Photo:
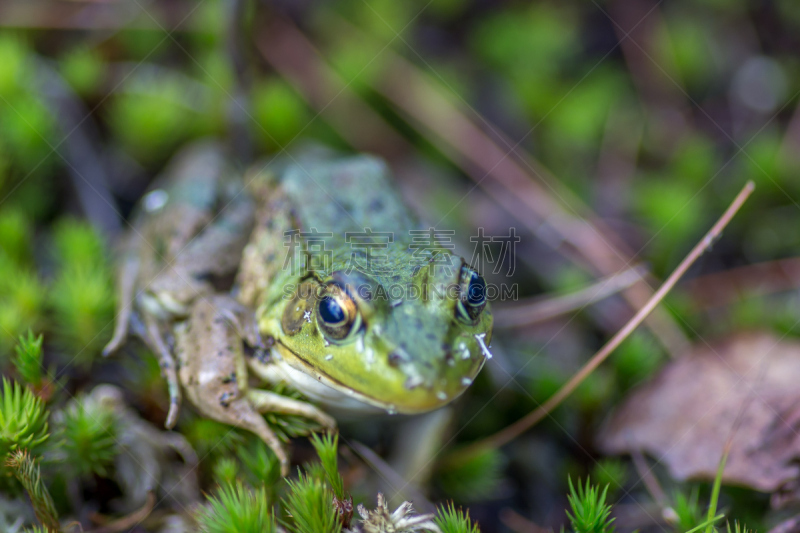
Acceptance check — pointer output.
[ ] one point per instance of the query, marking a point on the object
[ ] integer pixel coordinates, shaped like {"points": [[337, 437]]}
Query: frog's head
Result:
{"points": [[405, 343]]}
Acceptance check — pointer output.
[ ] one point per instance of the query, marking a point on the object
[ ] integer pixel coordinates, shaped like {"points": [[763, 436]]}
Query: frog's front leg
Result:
{"points": [[213, 371], [155, 339], [269, 402]]}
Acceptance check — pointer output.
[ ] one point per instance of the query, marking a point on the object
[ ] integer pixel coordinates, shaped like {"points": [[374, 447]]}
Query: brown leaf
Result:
{"points": [[685, 415]]}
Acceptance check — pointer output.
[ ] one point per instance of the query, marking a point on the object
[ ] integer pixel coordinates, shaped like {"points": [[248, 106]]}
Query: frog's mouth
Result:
{"points": [[318, 385]]}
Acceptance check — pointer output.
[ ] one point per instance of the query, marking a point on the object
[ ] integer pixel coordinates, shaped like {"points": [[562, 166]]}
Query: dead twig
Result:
{"points": [[724, 288], [536, 310], [126, 522], [511, 432]]}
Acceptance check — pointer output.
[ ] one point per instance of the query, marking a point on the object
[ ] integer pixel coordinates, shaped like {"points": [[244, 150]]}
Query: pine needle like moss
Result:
{"points": [[23, 419], [236, 509], [225, 470], [589, 511], [88, 437], [22, 298], [16, 236], [327, 447], [310, 506], [28, 360], [83, 305], [452, 520], [260, 464], [78, 245], [686, 511], [26, 471], [209, 437], [82, 295]]}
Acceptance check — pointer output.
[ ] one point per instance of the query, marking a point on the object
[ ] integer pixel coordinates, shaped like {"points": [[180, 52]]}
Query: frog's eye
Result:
{"points": [[472, 295], [337, 313]]}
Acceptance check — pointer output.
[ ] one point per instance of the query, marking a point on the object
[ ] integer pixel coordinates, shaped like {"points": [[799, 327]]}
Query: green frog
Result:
{"points": [[308, 271]]}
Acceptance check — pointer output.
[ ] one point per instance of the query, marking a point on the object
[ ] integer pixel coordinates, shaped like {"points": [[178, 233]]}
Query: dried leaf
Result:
{"points": [[685, 415]]}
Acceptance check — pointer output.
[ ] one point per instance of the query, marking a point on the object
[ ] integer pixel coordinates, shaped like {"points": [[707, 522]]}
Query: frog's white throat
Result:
{"points": [[321, 388]]}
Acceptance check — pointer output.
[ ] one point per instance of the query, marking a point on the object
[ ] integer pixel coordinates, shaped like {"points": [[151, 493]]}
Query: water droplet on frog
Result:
{"points": [[155, 200], [466, 382], [391, 410], [441, 395], [325, 342], [329, 357], [360, 344]]}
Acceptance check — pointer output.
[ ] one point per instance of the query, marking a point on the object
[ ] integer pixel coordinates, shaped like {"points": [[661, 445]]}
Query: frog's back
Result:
{"points": [[338, 198], [346, 194]]}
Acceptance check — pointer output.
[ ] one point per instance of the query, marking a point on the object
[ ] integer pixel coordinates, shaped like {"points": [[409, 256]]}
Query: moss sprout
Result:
{"points": [[237, 509], [87, 437], [309, 506], [26, 470], [28, 360], [589, 512], [23, 419], [452, 520]]}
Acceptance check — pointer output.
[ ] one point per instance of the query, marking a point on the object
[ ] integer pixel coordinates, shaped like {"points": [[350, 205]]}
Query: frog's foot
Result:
{"points": [[213, 371], [241, 413], [155, 340], [126, 287], [270, 402]]}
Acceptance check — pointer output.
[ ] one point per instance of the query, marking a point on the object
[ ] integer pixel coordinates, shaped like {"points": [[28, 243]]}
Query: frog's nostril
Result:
{"points": [[397, 357]]}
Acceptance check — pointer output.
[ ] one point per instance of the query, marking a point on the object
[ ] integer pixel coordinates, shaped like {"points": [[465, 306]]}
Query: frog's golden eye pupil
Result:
{"points": [[337, 313], [330, 310]]}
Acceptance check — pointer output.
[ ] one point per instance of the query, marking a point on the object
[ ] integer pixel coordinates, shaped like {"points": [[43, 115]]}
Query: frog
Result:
{"points": [[307, 272]]}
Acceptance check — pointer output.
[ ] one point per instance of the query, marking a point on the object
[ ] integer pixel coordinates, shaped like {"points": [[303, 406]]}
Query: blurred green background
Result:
{"points": [[648, 117]]}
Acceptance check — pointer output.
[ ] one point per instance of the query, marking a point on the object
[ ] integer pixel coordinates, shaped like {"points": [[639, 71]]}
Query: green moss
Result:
{"points": [[28, 360], [452, 520], [309, 506], [280, 114], [589, 512], [475, 478], [23, 419], [82, 294], [83, 312], [237, 509], [16, 236], [155, 113], [22, 299], [84, 69], [87, 437]]}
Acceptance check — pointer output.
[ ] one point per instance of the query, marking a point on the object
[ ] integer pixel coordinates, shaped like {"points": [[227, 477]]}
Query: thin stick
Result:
{"points": [[517, 428], [650, 481], [536, 310]]}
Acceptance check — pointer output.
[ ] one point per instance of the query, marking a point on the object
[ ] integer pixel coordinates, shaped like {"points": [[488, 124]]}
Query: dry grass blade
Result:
{"points": [[536, 310], [514, 430]]}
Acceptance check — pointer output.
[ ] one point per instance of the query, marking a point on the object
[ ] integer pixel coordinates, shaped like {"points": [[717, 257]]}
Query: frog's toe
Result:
{"points": [[172, 414], [246, 417], [270, 402]]}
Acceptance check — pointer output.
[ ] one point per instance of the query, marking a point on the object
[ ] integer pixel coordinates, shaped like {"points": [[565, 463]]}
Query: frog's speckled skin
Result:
{"points": [[406, 354]]}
